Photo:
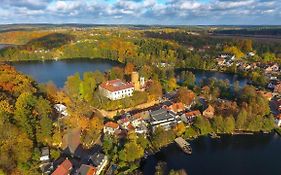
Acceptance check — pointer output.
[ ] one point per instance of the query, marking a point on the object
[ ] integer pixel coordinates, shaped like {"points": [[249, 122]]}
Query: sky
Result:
{"points": [[148, 12]]}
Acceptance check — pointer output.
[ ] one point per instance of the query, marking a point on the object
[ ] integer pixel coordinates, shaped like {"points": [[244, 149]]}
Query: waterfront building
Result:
{"points": [[116, 89], [163, 118], [209, 112], [190, 116]]}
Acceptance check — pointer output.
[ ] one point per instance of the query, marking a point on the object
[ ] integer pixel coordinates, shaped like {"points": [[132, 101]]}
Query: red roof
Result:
{"points": [[63, 168], [176, 107], [116, 85], [112, 125], [193, 113]]}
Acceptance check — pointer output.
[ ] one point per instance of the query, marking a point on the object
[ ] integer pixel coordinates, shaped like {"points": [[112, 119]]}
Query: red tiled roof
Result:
{"points": [[63, 168], [116, 85], [112, 125], [130, 127], [193, 113]]}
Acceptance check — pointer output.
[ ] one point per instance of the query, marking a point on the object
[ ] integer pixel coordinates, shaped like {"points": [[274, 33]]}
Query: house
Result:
{"points": [[163, 118], [71, 141], [136, 123], [46, 168], [176, 107], [251, 54], [277, 88], [272, 68], [278, 120], [273, 83], [61, 109], [265, 94], [189, 117], [110, 128], [86, 170], [116, 89], [64, 168], [45, 154], [209, 112], [99, 160]]}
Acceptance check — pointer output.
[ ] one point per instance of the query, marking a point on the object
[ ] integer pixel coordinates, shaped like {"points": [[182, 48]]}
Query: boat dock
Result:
{"points": [[184, 145]]}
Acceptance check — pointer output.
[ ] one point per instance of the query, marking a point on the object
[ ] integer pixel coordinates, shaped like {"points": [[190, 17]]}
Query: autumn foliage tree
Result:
{"points": [[186, 96]]}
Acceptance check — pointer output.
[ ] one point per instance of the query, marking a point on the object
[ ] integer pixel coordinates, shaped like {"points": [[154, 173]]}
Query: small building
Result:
{"points": [[116, 89], [110, 128], [71, 141], [209, 112], [251, 54], [277, 88], [86, 170], [45, 154], [99, 160], [190, 116], [278, 120], [64, 168], [176, 107], [46, 168], [163, 118], [61, 109]]}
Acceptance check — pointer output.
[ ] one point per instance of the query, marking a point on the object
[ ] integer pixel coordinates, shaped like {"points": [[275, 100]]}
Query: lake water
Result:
{"points": [[202, 74], [58, 71], [231, 155]]}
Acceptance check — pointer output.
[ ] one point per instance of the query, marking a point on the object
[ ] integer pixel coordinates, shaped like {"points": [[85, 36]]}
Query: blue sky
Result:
{"points": [[165, 12]]}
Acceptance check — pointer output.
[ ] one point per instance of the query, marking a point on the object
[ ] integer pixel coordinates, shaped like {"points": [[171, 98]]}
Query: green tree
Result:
{"points": [[218, 124], [88, 86], [72, 85], [189, 79], [23, 113], [203, 125], [241, 120], [44, 127], [229, 124], [131, 152]]}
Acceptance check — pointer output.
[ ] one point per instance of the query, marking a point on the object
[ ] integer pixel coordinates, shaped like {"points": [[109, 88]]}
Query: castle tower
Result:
{"points": [[135, 80]]}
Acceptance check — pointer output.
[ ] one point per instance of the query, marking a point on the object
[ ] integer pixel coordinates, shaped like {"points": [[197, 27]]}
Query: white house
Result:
{"points": [[278, 120], [61, 109], [45, 154], [116, 89], [110, 128]]}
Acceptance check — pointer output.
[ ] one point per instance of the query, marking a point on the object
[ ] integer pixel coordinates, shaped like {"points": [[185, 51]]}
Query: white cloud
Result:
{"points": [[142, 11]]}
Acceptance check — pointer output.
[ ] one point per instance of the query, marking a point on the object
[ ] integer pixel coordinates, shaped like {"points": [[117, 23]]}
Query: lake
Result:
{"points": [[203, 74], [258, 154], [58, 71]]}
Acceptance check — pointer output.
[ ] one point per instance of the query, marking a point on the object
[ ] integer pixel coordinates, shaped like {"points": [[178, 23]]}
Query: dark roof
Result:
{"points": [[86, 170], [96, 159], [45, 151], [161, 114]]}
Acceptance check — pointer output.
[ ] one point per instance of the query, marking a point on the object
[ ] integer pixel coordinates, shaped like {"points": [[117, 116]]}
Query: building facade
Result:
{"points": [[116, 89]]}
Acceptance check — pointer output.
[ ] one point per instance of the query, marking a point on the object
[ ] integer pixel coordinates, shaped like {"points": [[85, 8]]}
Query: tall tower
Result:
{"points": [[135, 80]]}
